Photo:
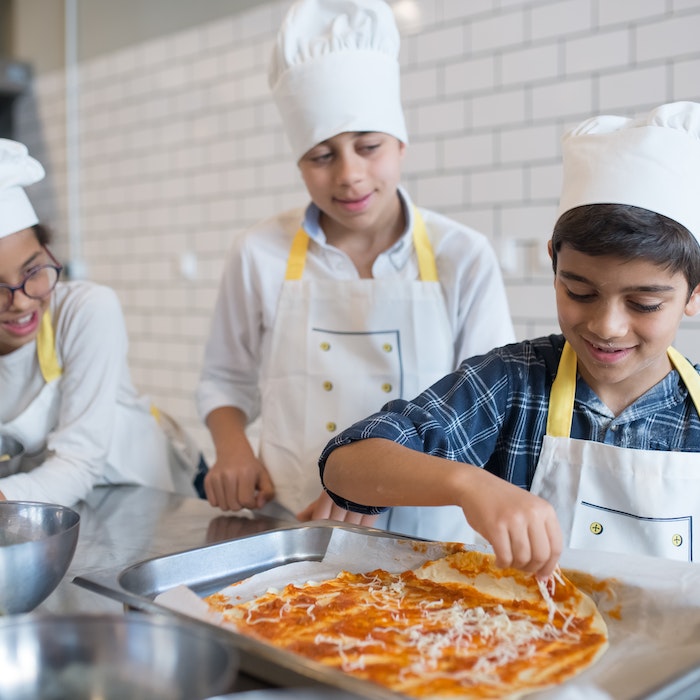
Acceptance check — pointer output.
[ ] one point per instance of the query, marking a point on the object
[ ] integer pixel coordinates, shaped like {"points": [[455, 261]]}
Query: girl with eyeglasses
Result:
{"points": [[66, 392]]}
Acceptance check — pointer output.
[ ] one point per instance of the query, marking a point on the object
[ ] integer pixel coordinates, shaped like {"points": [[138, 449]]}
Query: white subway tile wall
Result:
{"points": [[181, 147]]}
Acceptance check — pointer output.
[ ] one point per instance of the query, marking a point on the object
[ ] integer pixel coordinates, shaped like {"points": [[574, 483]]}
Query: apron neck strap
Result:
{"points": [[424, 251], [46, 350], [297, 256], [689, 375], [561, 396]]}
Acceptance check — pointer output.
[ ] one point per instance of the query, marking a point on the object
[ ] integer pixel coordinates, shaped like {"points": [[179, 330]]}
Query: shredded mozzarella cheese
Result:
{"points": [[431, 631]]}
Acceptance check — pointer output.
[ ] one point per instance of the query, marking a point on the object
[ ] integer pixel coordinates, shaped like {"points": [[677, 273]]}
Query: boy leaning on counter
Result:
{"points": [[585, 439], [326, 312]]}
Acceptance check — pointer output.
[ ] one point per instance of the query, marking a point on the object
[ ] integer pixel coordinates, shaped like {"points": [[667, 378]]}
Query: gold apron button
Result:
{"points": [[596, 528], [325, 346], [327, 385], [677, 540], [387, 347], [331, 426], [386, 388]]}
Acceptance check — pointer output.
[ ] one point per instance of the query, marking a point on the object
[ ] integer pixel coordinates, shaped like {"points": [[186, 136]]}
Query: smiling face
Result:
{"points": [[352, 178], [620, 316], [20, 253]]}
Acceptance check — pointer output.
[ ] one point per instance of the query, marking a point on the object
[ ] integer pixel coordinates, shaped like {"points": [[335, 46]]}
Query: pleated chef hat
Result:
{"points": [[651, 162], [17, 170], [334, 69]]}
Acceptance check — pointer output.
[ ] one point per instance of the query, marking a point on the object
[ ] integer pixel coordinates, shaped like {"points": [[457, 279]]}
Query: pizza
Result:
{"points": [[457, 626]]}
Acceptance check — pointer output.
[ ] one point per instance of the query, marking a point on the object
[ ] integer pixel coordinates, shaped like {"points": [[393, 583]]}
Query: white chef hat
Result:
{"points": [[334, 69], [652, 162], [17, 170]]}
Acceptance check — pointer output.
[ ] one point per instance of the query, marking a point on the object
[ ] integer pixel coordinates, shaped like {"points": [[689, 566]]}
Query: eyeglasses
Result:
{"points": [[39, 283]]}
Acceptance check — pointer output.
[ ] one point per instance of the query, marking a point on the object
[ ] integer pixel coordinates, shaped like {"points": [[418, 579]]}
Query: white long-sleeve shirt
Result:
{"points": [[254, 272], [96, 429]]}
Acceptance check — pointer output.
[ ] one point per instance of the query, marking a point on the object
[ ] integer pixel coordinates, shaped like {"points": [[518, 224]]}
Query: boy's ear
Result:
{"points": [[693, 305]]}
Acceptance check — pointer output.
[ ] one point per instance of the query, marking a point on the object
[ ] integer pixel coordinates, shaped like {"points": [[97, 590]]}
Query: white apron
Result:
{"points": [[340, 349], [169, 464], [618, 499]]}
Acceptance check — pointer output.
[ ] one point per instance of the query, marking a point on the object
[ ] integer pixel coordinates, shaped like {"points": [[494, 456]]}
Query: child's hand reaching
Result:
{"points": [[522, 528]]}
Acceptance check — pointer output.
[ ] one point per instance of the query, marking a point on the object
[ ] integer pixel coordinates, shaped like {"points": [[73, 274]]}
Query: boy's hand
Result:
{"points": [[325, 508], [522, 528], [235, 484]]}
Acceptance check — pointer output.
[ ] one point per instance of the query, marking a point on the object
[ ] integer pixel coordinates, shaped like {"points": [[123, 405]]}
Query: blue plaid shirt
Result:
{"points": [[492, 412]]}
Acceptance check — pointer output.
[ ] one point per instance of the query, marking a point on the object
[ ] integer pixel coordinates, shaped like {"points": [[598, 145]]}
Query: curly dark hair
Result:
{"points": [[629, 232]]}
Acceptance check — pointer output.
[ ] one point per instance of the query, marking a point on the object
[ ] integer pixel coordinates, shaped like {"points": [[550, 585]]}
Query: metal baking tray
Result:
{"points": [[211, 568]]}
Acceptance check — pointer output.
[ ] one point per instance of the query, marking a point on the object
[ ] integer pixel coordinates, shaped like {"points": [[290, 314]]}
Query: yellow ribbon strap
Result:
{"points": [[297, 256], [561, 397], [424, 251], [46, 350], [689, 375]]}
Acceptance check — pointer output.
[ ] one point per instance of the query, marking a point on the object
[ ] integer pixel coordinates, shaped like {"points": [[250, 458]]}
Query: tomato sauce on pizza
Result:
{"points": [[455, 627]]}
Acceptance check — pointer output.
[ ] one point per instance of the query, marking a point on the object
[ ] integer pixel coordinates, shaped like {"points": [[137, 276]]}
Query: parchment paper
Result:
{"points": [[651, 607]]}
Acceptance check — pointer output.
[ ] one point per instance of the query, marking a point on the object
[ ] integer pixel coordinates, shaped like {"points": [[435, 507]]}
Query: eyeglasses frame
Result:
{"points": [[56, 266]]}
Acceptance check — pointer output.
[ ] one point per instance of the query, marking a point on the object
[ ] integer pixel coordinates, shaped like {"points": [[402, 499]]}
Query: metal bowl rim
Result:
{"points": [[165, 621], [72, 514], [38, 622], [129, 617], [43, 505]]}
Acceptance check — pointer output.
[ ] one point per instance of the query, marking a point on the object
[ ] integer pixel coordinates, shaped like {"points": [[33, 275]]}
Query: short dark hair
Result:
{"points": [[42, 233], [629, 232]]}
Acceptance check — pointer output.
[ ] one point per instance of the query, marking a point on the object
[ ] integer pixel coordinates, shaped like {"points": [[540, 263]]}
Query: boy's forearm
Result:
{"points": [[227, 427], [521, 527], [379, 472]]}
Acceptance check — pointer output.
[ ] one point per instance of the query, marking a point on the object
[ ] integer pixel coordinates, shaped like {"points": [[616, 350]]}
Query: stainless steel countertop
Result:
{"points": [[123, 525]]}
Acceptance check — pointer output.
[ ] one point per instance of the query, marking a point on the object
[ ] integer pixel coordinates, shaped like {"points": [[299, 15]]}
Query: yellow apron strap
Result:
{"points": [[46, 350], [689, 375], [424, 251], [297, 256], [561, 397]]}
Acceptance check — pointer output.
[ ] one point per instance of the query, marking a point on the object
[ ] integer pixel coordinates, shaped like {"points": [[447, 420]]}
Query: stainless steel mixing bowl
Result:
{"points": [[11, 453], [135, 656], [37, 544]]}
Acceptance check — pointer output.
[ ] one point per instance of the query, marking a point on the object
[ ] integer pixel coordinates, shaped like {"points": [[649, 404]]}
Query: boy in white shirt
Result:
{"points": [[325, 313]]}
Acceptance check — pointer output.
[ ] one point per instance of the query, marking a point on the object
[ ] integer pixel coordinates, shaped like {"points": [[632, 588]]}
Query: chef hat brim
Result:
{"points": [[360, 92], [652, 163], [16, 211], [335, 69], [17, 170]]}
